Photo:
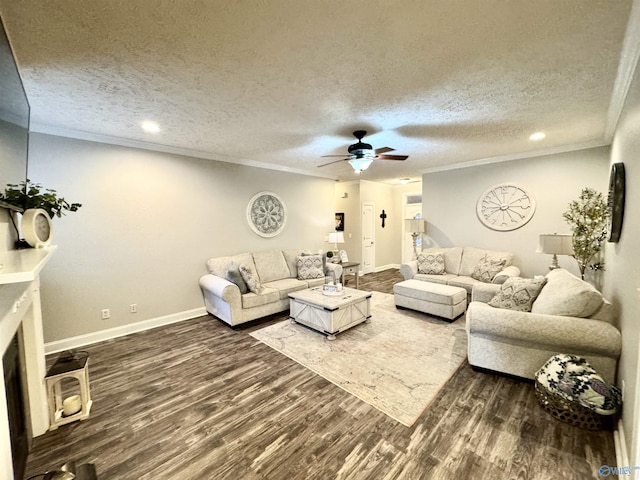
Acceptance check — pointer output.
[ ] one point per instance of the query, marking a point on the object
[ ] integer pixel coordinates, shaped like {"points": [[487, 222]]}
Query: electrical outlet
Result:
{"points": [[106, 314], [133, 308]]}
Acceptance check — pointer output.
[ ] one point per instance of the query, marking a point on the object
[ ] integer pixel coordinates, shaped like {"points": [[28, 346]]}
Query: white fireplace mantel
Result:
{"points": [[20, 309]]}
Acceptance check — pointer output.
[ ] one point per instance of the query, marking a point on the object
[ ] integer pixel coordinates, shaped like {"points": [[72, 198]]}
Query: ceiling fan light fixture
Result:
{"points": [[360, 164]]}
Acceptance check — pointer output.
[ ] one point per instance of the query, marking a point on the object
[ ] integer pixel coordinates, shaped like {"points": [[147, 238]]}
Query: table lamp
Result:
{"points": [[555, 244], [415, 226]]}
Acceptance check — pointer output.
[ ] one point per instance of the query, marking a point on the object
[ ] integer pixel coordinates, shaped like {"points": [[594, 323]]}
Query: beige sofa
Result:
{"points": [[276, 274], [568, 316], [460, 264]]}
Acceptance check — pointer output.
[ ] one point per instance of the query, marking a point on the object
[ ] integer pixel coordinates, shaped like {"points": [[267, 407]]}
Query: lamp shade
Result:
{"points": [[558, 244], [414, 225], [336, 237]]}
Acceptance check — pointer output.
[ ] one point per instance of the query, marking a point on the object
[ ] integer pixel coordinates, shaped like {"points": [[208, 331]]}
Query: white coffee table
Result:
{"points": [[329, 314]]}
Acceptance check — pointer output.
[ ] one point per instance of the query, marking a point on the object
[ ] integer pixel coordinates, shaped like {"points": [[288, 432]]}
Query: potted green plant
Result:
{"points": [[588, 219], [28, 195]]}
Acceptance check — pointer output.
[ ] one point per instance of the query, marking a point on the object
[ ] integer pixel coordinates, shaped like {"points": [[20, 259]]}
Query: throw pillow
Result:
{"points": [[431, 263], [310, 266], [567, 295], [518, 293], [487, 268], [251, 279], [324, 261], [234, 276]]}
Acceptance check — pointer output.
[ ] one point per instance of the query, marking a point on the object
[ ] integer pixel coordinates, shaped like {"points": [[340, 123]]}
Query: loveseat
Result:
{"points": [[516, 327], [460, 266], [248, 286]]}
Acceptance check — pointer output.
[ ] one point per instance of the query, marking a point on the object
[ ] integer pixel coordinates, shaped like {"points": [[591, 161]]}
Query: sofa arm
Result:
{"points": [[510, 271], [409, 269], [559, 332], [483, 292], [212, 285]]}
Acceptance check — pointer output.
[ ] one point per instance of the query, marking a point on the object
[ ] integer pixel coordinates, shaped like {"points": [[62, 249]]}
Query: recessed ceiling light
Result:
{"points": [[150, 127], [537, 136], [404, 181]]}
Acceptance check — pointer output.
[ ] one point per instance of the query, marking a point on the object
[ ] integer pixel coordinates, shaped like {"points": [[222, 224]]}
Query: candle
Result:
{"points": [[71, 405]]}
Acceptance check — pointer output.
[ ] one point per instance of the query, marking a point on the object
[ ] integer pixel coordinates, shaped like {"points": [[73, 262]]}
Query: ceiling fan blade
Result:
{"points": [[384, 150], [392, 157], [331, 163], [327, 156]]}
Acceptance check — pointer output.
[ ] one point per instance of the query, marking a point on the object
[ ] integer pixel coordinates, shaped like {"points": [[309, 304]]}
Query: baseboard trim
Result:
{"points": [[620, 444], [108, 334], [386, 267]]}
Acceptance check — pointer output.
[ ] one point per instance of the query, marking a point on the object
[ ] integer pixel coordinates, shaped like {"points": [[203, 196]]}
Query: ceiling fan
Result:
{"points": [[362, 154]]}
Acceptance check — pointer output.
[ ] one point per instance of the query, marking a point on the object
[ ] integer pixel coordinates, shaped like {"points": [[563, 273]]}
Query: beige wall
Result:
{"points": [[449, 203], [622, 259], [148, 224]]}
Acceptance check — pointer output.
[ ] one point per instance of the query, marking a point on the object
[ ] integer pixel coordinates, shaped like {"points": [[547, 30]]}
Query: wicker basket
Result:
{"points": [[571, 412]]}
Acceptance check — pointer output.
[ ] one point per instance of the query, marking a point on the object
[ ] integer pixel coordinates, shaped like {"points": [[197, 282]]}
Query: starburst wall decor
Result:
{"points": [[266, 214]]}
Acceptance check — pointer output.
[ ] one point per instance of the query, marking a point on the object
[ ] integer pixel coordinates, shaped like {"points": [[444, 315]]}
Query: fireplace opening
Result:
{"points": [[16, 408]]}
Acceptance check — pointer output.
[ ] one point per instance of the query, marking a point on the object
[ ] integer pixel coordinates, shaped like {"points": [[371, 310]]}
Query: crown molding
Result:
{"points": [[518, 156], [157, 147], [626, 69]]}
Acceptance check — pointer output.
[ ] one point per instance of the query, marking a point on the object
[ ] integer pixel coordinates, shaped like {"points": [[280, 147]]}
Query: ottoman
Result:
{"points": [[432, 298]]}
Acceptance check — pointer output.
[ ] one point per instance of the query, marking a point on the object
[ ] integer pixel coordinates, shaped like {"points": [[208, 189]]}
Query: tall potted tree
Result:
{"points": [[588, 219]]}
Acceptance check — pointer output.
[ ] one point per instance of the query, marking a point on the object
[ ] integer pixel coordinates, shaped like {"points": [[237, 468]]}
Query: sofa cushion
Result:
{"points": [[452, 257], [271, 265], [291, 257], [285, 286], [471, 256], [518, 293], [234, 276], [219, 266], [567, 295], [431, 263], [251, 279], [310, 266], [266, 296], [463, 282], [487, 268]]}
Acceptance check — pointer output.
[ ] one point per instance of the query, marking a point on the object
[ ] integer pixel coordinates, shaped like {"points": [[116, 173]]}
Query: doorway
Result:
{"points": [[368, 238]]}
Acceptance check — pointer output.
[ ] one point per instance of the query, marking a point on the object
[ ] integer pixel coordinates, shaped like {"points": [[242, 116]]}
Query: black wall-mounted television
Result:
{"points": [[14, 118]]}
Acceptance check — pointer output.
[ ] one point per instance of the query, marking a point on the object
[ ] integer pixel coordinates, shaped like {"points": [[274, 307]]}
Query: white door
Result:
{"points": [[411, 210], [368, 238]]}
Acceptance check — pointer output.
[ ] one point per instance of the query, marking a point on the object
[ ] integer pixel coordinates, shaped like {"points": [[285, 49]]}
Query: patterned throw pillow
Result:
{"points": [[431, 263], [234, 276], [487, 268], [518, 293], [310, 266], [251, 279]]}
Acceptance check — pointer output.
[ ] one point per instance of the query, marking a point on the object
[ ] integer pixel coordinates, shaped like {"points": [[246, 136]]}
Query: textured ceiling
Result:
{"points": [[284, 82]]}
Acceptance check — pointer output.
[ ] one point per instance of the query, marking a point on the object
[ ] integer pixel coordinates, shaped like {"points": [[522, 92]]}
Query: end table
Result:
{"points": [[350, 268]]}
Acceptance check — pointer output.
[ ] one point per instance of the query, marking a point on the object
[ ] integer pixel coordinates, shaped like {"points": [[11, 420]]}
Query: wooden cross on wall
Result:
{"points": [[383, 216]]}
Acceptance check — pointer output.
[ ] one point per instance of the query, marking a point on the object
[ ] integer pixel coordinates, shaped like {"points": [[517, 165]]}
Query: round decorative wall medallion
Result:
{"points": [[266, 214], [615, 203], [505, 207]]}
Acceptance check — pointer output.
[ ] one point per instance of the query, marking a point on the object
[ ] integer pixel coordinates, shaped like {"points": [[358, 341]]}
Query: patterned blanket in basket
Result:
{"points": [[575, 380]]}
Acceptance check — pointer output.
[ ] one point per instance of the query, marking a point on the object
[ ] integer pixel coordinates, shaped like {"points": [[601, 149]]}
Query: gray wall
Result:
{"points": [[449, 203], [148, 224], [622, 275]]}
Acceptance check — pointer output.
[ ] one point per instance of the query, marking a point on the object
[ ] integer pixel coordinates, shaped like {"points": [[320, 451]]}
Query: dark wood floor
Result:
{"points": [[198, 400]]}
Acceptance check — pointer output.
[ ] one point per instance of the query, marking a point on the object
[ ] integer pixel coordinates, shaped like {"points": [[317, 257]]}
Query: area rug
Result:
{"points": [[397, 362]]}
